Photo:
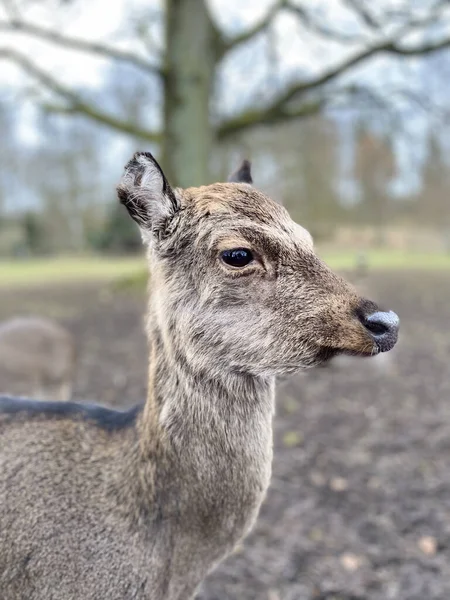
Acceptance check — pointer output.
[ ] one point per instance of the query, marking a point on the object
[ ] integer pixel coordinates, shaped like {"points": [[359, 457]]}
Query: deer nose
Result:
{"points": [[383, 327]]}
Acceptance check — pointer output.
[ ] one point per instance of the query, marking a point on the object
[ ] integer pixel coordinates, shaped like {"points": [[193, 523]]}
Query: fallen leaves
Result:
{"points": [[291, 439], [338, 484], [428, 545], [351, 562]]}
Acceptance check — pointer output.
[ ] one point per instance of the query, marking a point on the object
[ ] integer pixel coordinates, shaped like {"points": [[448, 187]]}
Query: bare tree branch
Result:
{"points": [[300, 12], [259, 27], [418, 50], [358, 6], [313, 24], [317, 27], [139, 25], [80, 45], [386, 104], [388, 46], [294, 101], [283, 113], [264, 116], [76, 104], [404, 12], [149, 41], [279, 109]]}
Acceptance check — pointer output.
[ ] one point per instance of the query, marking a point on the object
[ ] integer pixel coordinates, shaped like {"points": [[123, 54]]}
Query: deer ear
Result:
{"points": [[242, 174], [146, 193]]}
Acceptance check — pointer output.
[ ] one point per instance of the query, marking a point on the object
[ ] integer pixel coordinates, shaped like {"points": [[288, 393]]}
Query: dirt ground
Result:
{"points": [[359, 506]]}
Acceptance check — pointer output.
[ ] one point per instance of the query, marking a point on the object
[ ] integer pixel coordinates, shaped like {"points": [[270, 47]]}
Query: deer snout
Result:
{"points": [[383, 327]]}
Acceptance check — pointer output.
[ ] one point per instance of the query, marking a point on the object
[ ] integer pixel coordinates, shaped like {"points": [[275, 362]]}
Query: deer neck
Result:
{"points": [[211, 440], [188, 410]]}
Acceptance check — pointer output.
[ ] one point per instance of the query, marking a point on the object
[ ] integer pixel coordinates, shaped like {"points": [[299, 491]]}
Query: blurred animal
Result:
{"points": [[37, 358], [142, 504]]}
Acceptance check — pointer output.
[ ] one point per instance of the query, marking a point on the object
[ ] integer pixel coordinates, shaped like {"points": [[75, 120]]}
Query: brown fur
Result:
{"points": [[142, 505], [37, 358]]}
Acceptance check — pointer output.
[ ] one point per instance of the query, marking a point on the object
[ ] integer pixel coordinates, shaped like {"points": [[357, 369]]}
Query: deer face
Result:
{"points": [[236, 284]]}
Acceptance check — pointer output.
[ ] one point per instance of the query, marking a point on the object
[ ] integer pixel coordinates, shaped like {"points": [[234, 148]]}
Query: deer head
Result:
{"points": [[236, 286]]}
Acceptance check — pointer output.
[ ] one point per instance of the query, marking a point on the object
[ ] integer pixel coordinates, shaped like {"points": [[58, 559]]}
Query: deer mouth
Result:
{"points": [[362, 353], [326, 354]]}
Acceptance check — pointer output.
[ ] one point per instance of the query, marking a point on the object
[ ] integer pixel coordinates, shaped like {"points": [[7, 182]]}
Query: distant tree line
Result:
{"points": [[74, 206]]}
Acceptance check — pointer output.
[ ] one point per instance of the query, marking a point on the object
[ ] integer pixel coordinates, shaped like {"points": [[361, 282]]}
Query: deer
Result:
{"points": [[37, 358], [143, 503]]}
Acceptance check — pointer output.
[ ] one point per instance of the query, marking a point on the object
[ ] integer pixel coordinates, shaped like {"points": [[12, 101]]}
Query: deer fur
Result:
{"points": [[37, 358], [141, 505]]}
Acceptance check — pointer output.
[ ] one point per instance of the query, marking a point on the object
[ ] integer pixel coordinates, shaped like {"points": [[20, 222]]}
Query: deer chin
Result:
{"points": [[361, 353], [326, 354]]}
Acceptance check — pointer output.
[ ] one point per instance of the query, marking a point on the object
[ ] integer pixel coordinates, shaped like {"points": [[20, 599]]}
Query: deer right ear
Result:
{"points": [[146, 193], [242, 174]]}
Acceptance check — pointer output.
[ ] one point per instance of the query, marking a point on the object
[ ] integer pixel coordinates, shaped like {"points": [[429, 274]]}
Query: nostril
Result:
{"points": [[384, 328], [376, 327], [382, 322]]}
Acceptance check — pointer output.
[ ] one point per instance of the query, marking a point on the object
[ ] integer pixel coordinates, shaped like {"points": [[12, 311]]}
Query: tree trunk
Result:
{"points": [[192, 50]]}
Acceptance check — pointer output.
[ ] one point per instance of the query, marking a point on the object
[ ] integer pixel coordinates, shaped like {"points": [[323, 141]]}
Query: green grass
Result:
{"points": [[387, 259], [68, 269], [129, 273]]}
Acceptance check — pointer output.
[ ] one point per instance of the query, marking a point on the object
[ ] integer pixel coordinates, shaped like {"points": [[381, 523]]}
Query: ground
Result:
{"points": [[359, 505]]}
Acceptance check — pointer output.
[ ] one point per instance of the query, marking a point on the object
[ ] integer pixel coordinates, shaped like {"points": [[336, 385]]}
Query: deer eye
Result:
{"points": [[238, 257]]}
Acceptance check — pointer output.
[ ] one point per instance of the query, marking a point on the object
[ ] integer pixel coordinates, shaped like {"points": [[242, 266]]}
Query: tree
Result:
{"points": [[374, 171], [33, 233], [431, 206], [63, 176], [434, 206], [8, 156], [195, 50], [297, 164], [312, 172], [118, 235]]}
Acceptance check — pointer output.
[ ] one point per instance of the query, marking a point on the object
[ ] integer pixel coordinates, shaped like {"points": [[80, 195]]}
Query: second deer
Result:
{"points": [[37, 358]]}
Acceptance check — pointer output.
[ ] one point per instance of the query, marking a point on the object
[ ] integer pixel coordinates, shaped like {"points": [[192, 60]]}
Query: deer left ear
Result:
{"points": [[146, 193], [242, 174]]}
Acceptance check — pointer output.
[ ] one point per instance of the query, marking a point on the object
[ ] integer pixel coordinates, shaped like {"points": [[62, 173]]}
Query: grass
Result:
{"points": [[388, 260], [128, 273], [68, 269]]}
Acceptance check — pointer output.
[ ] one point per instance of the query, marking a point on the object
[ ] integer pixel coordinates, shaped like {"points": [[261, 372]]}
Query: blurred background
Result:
{"points": [[343, 108]]}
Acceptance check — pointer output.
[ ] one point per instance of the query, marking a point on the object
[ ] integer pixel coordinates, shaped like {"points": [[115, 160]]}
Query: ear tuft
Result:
{"points": [[146, 193], [242, 174]]}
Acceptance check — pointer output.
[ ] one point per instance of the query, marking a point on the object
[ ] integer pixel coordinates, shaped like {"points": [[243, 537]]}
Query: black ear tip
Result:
{"points": [[136, 160], [138, 163], [243, 173], [245, 170], [147, 155]]}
